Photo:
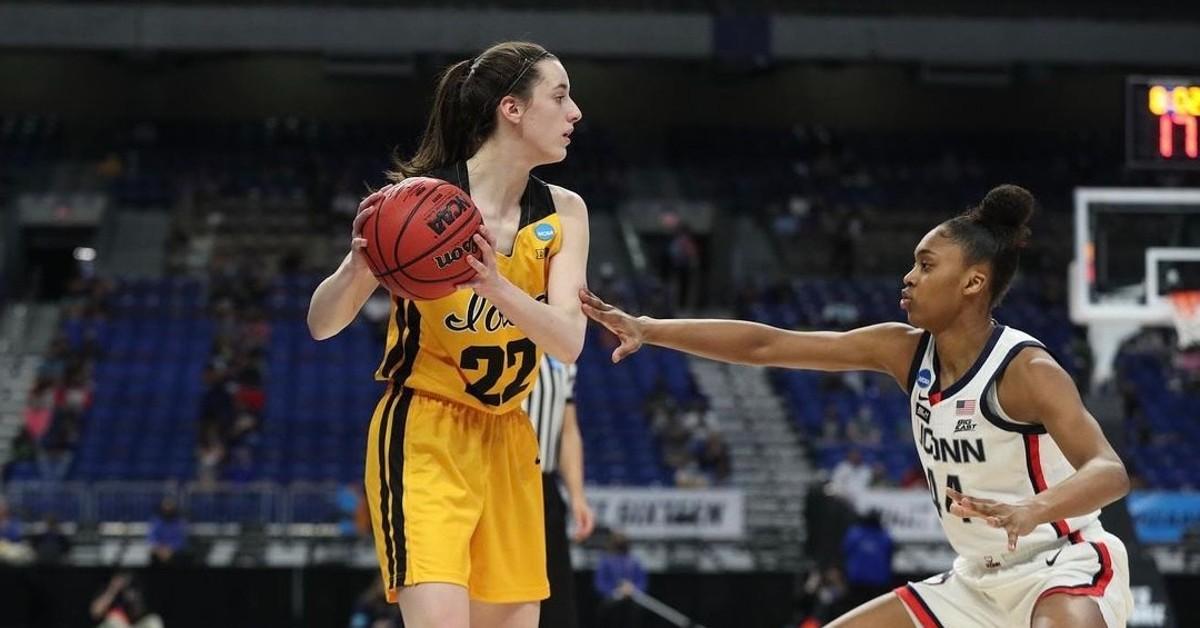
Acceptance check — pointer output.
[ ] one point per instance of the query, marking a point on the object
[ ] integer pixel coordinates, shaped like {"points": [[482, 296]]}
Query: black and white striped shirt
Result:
{"points": [[555, 388]]}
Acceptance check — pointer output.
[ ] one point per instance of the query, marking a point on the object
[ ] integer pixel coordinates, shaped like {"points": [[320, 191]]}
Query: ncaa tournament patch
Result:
{"points": [[544, 232], [924, 378]]}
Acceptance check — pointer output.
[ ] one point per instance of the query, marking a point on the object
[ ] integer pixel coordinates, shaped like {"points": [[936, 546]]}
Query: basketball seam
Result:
{"points": [[408, 220]]}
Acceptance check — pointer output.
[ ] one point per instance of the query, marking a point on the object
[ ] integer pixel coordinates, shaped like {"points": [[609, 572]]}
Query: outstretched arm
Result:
{"points": [[886, 347]]}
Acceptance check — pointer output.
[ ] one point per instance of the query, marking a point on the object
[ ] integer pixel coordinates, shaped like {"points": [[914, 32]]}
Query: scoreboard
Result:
{"points": [[1161, 119]]}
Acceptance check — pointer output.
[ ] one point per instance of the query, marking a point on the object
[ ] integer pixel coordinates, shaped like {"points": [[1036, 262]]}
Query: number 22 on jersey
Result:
{"points": [[492, 362]]}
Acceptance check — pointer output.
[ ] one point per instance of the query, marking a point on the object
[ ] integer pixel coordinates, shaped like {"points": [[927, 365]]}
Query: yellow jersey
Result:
{"points": [[461, 347]]}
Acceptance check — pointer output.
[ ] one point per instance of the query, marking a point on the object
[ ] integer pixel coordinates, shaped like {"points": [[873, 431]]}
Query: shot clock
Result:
{"points": [[1162, 116]]}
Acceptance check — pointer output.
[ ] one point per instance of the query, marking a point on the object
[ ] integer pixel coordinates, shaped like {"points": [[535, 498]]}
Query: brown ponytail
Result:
{"points": [[464, 105]]}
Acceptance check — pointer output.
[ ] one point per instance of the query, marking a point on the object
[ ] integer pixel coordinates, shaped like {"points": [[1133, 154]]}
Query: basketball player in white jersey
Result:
{"points": [[1017, 466]]}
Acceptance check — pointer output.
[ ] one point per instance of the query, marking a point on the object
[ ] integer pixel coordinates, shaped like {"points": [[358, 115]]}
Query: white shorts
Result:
{"points": [[1091, 562]]}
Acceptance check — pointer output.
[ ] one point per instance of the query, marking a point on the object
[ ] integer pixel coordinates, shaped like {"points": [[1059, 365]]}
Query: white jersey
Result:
{"points": [[966, 441]]}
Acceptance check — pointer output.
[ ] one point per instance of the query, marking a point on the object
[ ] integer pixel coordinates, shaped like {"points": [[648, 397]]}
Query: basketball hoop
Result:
{"points": [[1185, 310]]}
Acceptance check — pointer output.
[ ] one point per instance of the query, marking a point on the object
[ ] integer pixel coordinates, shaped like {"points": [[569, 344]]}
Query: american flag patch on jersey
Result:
{"points": [[964, 407]]}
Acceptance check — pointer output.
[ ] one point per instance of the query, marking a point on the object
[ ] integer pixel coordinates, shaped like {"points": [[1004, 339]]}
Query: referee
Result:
{"points": [[551, 408]]}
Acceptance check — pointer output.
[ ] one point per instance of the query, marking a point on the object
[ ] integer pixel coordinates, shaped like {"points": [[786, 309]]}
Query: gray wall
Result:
{"points": [[637, 95]]}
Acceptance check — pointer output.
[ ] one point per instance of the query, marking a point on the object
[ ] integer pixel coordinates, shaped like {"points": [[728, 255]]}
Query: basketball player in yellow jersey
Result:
{"points": [[452, 476]]}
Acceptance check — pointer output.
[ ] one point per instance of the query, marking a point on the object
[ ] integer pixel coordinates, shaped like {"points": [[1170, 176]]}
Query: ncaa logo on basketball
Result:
{"points": [[924, 378], [446, 215], [544, 232]]}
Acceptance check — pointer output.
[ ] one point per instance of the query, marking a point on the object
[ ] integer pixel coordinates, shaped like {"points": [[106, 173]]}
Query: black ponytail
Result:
{"points": [[464, 105], [995, 231]]}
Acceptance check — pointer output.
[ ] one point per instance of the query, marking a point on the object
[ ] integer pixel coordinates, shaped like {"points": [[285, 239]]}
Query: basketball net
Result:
{"points": [[1185, 306]]}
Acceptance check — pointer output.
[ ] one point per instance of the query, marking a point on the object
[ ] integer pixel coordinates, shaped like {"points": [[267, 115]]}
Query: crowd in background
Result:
{"points": [[63, 388], [234, 397]]}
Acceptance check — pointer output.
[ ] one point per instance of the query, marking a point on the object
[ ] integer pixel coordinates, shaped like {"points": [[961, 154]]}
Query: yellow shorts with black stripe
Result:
{"points": [[455, 496]]}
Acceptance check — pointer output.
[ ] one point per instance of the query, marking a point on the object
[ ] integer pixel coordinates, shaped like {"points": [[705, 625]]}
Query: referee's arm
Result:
{"points": [[570, 467]]}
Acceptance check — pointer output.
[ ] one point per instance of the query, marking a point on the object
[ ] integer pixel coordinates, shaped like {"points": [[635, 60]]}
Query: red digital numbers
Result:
{"points": [[1177, 108], [1167, 123]]}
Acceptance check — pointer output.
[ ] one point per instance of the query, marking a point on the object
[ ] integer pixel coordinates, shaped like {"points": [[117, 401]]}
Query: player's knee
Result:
{"points": [[433, 608], [1067, 611], [443, 617]]}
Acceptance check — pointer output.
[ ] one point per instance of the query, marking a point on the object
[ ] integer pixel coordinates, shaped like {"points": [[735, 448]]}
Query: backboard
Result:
{"points": [[1132, 247]]}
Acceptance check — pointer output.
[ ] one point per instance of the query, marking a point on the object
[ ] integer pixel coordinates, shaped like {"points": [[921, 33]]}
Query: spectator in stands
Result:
{"points": [[831, 426], [350, 507], [824, 596], [620, 288], [851, 476], [255, 330], [39, 409], [217, 413], [216, 406], [168, 535], [863, 428], [698, 418], [617, 576], [55, 364], [210, 453], [123, 605], [10, 528], [867, 551], [51, 545], [249, 401], [56, 450], [240, 469], [713, 457], [74, 398], [660, 405], [13, 548], [846, 236], [689, 474], [683, 268]]}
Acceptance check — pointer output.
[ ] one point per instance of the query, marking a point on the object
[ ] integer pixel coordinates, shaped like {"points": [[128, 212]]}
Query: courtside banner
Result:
{"points": [[714, 514], [908, 515], [1163, 516]]}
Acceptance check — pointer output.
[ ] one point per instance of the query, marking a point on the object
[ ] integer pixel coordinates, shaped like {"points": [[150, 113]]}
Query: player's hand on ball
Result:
{"points": [[1016, 519], [487, 279], [628, 329], [358, 244]]}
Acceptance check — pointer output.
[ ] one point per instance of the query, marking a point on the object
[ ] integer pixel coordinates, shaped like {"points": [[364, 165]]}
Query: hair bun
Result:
{"points": [[1005, 211], [1007, 206]]}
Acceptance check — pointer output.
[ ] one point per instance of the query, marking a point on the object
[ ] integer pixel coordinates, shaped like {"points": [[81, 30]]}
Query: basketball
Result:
{"points": [[419, 237]]}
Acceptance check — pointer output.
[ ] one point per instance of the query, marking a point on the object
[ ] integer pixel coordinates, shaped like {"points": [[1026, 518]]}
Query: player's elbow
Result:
{"points": [[1121, 479], [567, 352], [318, 329], [570, 344], [761, 351], [758, 355]]}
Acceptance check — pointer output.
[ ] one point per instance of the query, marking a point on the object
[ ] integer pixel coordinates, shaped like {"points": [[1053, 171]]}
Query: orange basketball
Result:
{"points": [[419, 237]]}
